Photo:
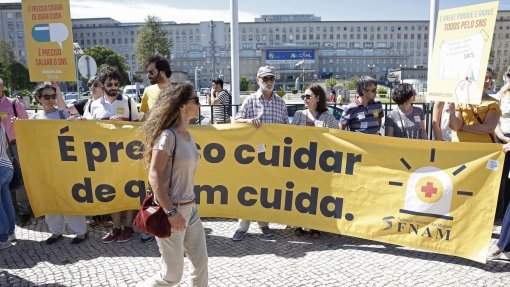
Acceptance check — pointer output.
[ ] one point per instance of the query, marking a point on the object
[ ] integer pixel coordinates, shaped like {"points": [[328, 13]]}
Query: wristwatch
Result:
{"points": [[171, 212]]}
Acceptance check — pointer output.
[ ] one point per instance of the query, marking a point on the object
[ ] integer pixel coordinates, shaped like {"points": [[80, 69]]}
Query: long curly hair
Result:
{"points": [[164, 115]]}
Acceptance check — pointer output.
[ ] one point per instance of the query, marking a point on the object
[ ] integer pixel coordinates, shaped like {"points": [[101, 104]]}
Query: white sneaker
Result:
{"points": [[5, 244], [12, 238], [499, 255]]}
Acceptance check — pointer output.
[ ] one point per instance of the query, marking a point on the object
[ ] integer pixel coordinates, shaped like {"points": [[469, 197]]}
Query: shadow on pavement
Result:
{"points": [[7, 279]]}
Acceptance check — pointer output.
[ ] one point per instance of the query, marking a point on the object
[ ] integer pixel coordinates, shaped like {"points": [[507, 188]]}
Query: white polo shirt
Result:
{"points": [[101, 109]]}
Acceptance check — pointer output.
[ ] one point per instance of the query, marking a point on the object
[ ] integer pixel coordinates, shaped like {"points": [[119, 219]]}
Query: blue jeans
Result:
{"points": [[504, 238], [7, 217]]}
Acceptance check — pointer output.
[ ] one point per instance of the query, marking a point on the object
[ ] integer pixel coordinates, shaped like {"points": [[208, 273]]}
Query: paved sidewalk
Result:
{"points": [[284, 260]]}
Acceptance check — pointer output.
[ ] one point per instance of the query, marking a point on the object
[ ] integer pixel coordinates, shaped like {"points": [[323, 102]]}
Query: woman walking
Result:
{"points": [[171, 180]]}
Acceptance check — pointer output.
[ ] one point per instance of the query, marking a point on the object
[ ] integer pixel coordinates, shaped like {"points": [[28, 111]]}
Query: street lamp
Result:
{"points": [[196, 77], [392, 78], [371, 67]]}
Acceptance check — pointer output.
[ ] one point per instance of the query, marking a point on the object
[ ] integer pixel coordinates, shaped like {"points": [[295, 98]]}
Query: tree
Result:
{"points": [[103, 55], [152, 39], [331, 82], [243, 84], [351, 85], [19, 77], [7, 55]]}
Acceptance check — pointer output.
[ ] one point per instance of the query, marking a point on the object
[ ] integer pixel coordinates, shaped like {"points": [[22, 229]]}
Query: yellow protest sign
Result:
{"points": [[431, 195], [49, 40], [461, 53]]}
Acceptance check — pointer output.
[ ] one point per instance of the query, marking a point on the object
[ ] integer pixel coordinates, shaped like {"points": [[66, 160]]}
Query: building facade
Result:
{"points": [[298, 46]]}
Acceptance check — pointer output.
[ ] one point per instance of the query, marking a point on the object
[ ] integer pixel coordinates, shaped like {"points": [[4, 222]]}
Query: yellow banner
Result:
{"points": [[431, 195], [49, 40], [461, 53]]}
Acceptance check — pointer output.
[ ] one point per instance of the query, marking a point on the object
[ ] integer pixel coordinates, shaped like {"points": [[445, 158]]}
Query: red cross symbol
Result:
{"points": [[429, 189]]}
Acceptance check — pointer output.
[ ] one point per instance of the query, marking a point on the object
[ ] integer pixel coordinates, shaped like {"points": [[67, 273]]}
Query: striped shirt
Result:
{"points": [[273, 111], [4, 159], [359, 118], [222, 110]]}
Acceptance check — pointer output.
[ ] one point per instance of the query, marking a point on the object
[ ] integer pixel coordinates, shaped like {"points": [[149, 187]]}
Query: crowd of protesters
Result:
{"points": [[168, 109]]}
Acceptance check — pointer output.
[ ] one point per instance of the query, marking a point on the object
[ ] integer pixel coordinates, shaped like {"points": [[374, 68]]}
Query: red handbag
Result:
{"points": [[151, 217]]}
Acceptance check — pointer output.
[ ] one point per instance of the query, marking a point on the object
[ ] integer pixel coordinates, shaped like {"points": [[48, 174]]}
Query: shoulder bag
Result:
{"points": [[151, 217]]}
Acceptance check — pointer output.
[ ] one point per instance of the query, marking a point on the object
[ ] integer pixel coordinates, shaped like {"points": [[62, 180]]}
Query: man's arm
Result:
{"points": [[437, 113]]}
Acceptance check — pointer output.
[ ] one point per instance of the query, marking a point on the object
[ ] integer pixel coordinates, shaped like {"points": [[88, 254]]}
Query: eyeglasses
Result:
{"points": [[195, 99], [47, 97], [268, 78], [306, 96]]}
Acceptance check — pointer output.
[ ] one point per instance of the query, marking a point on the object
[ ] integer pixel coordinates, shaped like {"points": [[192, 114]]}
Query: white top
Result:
{"points": [[504, 120], [101, 109]]}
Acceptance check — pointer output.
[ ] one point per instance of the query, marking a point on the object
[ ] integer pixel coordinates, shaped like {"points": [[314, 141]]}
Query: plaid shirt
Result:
{"points": [[255, 105]]}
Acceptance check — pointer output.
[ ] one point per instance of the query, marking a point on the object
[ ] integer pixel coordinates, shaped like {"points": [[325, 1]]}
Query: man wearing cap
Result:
{"points": [[158, 71], [219, 96], [263, 106], [10, 110]]}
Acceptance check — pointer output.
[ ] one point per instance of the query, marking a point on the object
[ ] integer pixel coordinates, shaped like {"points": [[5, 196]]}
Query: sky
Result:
{"points": [[194, 11]]}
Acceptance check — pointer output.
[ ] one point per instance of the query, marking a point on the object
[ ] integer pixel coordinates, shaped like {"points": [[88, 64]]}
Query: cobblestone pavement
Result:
{"points": [[284, 260]]}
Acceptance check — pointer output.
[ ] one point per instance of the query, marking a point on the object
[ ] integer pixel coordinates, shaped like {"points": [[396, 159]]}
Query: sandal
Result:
{"points": [[315, 234], [299, 231]]}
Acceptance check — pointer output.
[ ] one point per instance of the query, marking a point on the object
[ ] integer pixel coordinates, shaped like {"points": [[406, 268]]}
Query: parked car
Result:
{"points": [[336, 110], [134, 93], [204, 91], [70, 97]]}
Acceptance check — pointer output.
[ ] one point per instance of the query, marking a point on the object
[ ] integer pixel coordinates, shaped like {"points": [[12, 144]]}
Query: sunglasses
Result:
{"points": [[195, 99], [95, 85], [47, 97], [267, 79], [306, 96]]}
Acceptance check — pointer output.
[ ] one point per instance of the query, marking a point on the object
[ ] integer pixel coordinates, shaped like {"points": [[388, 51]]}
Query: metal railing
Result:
{"points": [[207, 111], [292, 108]]}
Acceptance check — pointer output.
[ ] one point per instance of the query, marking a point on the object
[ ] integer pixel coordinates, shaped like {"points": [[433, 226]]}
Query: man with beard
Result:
{"points": [[158, 71], [263, 106], [114, 107]]}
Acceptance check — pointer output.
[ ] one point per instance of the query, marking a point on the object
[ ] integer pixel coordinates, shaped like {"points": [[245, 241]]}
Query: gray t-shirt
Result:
{"points": [[56, 115], [405, 126], [185, 164]]}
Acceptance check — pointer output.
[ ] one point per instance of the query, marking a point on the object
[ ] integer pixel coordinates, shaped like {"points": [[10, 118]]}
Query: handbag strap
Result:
{"points": [[14, 108], [173, 157], [173, 160], [480, 121]]}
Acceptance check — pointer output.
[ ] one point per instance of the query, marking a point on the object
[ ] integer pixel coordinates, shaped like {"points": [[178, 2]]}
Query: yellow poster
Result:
{"points": [[49, 40], [431, 195], [461, 53]]}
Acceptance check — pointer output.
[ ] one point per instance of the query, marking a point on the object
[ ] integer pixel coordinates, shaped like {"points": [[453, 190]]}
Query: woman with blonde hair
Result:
{"points": [[171, 180]]}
